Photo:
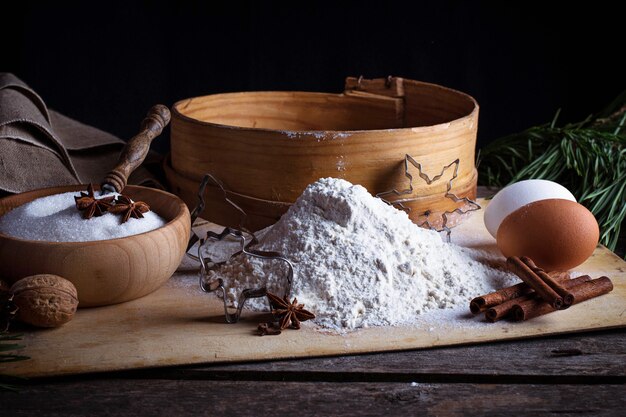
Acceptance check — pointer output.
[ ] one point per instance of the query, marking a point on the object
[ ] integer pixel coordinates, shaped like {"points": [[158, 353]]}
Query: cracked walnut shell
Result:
{"points": [[45, 300]]}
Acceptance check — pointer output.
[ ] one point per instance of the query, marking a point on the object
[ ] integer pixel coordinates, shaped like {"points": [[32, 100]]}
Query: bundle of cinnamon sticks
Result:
{"points": [[540, 292]]}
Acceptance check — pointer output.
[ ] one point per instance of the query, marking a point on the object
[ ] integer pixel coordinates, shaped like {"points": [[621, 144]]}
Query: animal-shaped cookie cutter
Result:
{"points": [[241, 235]]}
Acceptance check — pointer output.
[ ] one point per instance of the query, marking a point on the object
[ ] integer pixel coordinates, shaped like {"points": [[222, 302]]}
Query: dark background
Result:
{"points": [[107, 64]]}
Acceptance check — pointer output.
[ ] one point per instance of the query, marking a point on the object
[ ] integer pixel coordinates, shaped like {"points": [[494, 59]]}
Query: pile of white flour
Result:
{"points": [[360, 262]]}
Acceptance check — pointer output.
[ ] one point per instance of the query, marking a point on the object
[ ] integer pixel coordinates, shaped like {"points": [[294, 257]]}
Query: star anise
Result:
{"points": [[8, 310], [129, 208], [268, 329], [289, 314], [92, 206]]}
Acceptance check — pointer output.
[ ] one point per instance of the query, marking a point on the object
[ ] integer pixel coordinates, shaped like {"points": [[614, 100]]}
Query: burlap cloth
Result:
{"points": [[42, 148]]}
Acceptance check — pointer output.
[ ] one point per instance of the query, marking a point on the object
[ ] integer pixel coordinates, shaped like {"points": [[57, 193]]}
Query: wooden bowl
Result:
{"points": [[107, 271], [269, 146]]}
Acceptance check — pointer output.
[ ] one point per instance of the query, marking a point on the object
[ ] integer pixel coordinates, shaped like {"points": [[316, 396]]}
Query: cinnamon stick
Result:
{"points": [[502, 310], [567, 296], [487, 301], [535, 307], [559, 275], [527, 275]]}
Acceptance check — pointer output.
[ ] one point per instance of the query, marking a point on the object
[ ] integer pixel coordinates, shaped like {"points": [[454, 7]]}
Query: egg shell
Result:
{"points": [[557, 234], [517, 195]]}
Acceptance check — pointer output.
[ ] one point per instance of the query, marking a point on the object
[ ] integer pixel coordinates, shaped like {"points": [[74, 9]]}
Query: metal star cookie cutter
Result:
{"points": [[408, 159], [208, 264]]}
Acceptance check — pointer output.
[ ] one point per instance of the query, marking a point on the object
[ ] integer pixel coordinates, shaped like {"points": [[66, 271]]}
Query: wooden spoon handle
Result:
{"points": [[137, 148]]}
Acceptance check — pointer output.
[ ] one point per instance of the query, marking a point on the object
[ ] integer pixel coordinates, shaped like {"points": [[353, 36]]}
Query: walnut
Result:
{"points": [[45, 300]]}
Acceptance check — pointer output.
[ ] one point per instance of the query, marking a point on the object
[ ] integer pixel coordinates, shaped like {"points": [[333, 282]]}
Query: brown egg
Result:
{"points": [[557, 234]]}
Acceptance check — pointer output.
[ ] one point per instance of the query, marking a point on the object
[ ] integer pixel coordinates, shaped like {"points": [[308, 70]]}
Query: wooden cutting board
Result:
{"points": [[178, 324]]}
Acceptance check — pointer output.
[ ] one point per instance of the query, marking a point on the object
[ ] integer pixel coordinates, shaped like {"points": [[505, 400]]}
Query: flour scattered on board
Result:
{"points": [[360, 262]]}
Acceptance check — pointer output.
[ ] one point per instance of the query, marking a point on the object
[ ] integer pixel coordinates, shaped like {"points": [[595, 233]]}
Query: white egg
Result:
{"points": [[517, 195]]}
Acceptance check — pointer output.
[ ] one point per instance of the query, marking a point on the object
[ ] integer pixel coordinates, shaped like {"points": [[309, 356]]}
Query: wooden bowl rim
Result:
{"points": [[67, 188], [176, 113]]}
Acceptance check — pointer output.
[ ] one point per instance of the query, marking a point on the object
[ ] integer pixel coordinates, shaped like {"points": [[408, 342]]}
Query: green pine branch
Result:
{"points": [[588, 158], [6, 381]]}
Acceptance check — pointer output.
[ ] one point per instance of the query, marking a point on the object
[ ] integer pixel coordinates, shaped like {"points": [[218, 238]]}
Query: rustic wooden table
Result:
{"points": [[581, 374], [572, 375]]}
